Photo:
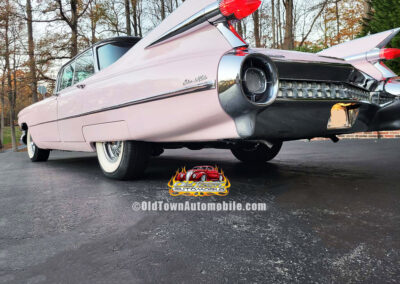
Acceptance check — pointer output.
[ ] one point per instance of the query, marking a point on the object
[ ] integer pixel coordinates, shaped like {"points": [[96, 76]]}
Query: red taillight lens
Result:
{"points": [[390, 53], [239, 8]]}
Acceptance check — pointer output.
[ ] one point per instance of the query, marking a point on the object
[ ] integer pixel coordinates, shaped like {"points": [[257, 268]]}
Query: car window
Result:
{"points": [[67, 77], [110, 53], [84, 66]]}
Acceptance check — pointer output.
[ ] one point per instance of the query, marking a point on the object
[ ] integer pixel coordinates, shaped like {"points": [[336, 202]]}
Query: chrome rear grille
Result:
{"points": [[321, 91]]}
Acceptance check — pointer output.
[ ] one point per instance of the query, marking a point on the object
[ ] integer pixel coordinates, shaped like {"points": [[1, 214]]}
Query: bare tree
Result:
{"points": [[72, 20], [31, 51], [7, 55], [113, 17], [337, 14], [2, 106], [279, 24], [273, 23], [321, 7], [288, 42], [162, 9], [128, 18], [256, 22], [95, 13], [137, 11]]}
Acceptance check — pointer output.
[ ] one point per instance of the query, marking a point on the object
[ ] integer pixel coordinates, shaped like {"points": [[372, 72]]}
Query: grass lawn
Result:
{"points": [[7, 136]]}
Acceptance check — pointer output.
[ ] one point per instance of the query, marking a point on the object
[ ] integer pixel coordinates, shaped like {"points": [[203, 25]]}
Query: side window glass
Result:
{"points": [[67, 76], [84, 66], [110, 53]]}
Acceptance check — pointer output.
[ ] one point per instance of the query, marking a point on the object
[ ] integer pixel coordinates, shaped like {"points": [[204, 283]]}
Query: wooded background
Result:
{"points": [[38, 36]]}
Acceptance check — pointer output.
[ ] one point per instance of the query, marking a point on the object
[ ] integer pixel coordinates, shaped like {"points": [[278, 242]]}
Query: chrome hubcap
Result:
{"points": [[32, 145], [112, 151]]}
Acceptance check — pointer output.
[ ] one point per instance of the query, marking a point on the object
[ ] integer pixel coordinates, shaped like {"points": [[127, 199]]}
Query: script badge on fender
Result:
{"points": [[200, 181]]}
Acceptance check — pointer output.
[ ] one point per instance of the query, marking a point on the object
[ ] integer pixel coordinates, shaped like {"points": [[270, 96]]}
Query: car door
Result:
{"points": [[72, 96]]}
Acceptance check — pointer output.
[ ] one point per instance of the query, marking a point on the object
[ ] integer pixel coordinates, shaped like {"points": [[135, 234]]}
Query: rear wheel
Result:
{"points": [[34, 152], [123, 160], [257, 153]]}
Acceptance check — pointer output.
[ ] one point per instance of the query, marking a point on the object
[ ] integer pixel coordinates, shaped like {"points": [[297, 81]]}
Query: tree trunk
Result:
{"points": [[367, 9], [9, 79], [3, 105], [31, 51], [93, 30], [74, 28], [163, 15], [240, 29], [288, 42], [279, 25], [135, 17], [93, 21], [128, 18], [337, 21], [273, 23], [256, 21], [2, 109], [13, 100]]}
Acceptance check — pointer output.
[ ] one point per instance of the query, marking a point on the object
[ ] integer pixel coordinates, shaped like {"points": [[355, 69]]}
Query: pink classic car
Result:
{"points": [[194, 82]]}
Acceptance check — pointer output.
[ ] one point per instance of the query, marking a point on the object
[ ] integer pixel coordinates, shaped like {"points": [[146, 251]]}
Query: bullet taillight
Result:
{"points": [[240, 9]]}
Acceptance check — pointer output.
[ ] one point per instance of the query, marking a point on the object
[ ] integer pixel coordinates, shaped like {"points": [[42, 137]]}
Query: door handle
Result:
{"points": [[81, 86]]}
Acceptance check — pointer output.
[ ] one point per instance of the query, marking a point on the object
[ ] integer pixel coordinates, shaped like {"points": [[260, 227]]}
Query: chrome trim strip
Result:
{"points": [[201, 17], [385, 71], [233, 40], [184, 91]]}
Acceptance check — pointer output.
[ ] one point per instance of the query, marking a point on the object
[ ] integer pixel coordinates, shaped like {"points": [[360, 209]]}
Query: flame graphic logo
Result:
{"points": [[198, 189]]}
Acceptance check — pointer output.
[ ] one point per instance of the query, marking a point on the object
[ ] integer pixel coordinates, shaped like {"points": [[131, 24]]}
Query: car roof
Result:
{"points": [[122, 39]]}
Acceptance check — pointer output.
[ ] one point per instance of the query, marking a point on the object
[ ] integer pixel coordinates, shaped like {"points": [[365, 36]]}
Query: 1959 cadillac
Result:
{"points": [[194, 82]]}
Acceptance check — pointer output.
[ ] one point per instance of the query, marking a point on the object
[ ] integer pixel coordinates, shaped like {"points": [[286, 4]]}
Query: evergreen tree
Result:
{"points": [[384, 15]]}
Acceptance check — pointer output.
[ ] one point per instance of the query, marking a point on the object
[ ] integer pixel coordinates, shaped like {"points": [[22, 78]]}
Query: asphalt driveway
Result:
{"points": [[333, 216]]}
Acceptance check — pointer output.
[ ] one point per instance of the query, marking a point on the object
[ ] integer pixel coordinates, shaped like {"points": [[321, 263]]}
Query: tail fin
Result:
{"points": [[366, 53], [361, 45]]}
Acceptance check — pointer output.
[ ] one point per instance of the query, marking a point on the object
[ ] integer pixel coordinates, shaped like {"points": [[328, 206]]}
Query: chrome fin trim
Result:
{"points": [[201, 17], [233, 40]]}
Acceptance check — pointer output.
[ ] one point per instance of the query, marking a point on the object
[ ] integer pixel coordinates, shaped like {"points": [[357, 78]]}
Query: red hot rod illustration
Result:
{"points": [[201, 173]]}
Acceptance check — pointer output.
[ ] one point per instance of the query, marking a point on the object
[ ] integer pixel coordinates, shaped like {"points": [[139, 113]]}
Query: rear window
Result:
{"points": [[110, 53]]}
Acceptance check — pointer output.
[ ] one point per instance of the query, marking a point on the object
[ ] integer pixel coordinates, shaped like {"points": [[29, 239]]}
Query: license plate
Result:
{"points": [[343, 116]]}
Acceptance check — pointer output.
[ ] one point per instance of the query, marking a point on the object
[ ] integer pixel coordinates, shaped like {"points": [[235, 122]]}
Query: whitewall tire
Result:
{"points": [[123, 160], [34, 152]]}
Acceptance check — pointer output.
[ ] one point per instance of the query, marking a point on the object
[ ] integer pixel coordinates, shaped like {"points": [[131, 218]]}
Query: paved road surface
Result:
{"points": [[333, 216]]}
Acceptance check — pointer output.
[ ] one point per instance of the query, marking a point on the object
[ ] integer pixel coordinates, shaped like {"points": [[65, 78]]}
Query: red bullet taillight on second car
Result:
{"points": [[389, 53], [240, 9]]}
